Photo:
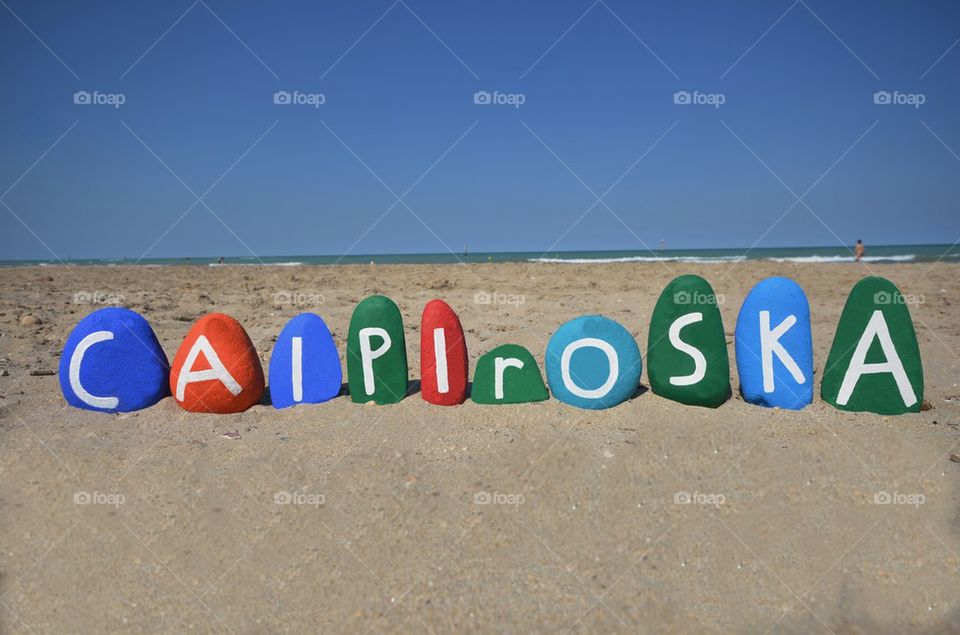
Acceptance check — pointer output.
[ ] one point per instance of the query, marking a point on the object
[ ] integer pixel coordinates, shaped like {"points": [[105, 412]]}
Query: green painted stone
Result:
{"points": [[875, 314], [376, 373], [518, 385], [697, 352]]}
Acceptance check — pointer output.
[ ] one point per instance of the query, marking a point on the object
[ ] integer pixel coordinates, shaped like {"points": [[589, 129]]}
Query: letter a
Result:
{"points": [[216, 371], [876, 328]]}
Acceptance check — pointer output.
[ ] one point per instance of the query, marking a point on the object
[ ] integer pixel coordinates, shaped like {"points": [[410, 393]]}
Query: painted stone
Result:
{"points": [[508, 374], [593, 362], [112, 362], [774, 345], [376, 352], [216, 368], [443, 356], [874, 363], [686, 350], [304, 364]]}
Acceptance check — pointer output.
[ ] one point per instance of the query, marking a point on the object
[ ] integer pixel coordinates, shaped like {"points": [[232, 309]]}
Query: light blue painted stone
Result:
{"points": [[320, 372], [604, 363], [112, 362], [781, 299]]}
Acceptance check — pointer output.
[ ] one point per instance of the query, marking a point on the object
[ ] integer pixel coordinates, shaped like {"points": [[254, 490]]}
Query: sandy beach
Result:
{"points": [[416, 518]]}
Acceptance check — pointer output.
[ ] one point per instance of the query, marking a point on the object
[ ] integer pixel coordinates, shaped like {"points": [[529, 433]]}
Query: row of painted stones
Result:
{"points": [[113, 362]]}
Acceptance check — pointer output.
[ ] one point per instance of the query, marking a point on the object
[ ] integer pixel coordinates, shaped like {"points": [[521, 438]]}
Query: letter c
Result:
{"points": [[76, 359]]}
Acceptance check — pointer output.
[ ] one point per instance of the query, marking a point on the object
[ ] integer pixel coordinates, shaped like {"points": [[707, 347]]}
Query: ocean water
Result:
{"points": [[882, 254]]}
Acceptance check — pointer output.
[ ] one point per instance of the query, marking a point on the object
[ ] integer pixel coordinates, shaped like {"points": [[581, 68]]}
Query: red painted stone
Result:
{"points": [[216, 368], [438, 315]]}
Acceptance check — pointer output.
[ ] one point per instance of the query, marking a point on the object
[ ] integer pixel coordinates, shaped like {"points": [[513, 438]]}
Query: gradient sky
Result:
{"points": [[598, 82]]}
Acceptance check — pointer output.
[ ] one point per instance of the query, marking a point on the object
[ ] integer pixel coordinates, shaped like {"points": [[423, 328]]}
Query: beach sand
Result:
{"points": [[582, 533]]}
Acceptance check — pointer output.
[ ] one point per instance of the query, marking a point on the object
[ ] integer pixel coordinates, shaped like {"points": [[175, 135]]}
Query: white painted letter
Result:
{"points": [[76, 359], [614, 373], [501, 364], [700, 362], [367, 355], [216, 371], [770, 344], [876, 328], [296, 362], [440, 355]]}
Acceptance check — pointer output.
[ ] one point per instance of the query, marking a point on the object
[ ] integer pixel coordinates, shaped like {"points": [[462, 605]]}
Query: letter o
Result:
{"points": [[612, 375]]}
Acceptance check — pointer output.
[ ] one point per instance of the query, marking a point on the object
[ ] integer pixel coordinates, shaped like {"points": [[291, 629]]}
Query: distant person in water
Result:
{"points": [[859, 250], [220, 262]]}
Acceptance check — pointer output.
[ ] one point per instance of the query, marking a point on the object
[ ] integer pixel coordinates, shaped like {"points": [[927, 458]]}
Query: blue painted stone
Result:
{"points": [[602, 367], [781, 299], [319, 363], [112, 362]]}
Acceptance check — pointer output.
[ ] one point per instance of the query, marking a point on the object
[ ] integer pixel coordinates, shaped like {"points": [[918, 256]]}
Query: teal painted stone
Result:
{"points": [[874, 363], [508, 374], [593, 362], [686, 350], [376, 352]]}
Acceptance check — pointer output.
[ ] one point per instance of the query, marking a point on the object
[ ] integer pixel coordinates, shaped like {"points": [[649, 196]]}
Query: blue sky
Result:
{"points": [[398, 79]]}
